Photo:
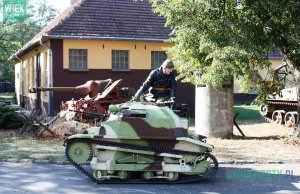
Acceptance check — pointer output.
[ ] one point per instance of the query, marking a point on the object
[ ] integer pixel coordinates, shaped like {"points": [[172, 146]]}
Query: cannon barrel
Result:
{"points": [[91, 88], [56, 89]]}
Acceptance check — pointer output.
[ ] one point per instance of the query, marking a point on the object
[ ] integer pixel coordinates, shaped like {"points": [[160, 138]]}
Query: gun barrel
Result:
{"points": [[56, 89], [90, 113], [91, 88], [60, 89]]}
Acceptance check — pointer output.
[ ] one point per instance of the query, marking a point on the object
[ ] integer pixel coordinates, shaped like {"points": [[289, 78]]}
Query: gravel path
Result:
{"points": [[263, 142]]}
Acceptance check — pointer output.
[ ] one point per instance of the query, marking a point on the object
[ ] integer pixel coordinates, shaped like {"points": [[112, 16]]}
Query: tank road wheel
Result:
{"points": [[290, 119], [263, 110], [147, 175], [213, 166], [98, 174], [124, 175], [277, 117], [80, 152], [173, 176]]}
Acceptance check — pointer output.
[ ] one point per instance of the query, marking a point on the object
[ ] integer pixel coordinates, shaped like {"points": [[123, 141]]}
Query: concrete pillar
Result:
{"points": [[214, 110]]}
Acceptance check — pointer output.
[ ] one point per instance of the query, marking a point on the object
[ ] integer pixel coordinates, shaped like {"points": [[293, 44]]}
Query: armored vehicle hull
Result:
{"points": [[281, 108], [142, 143]]}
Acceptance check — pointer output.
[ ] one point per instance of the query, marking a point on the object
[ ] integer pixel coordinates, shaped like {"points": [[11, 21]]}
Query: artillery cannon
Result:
{"points": [[99, 95], [91, 88]]}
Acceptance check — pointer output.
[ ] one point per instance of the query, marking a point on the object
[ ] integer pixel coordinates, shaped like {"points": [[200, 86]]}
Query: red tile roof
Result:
{"points": [[105, 19]]}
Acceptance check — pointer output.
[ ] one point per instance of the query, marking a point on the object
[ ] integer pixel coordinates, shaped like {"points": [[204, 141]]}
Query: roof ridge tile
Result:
{"points": [[106, 18]]}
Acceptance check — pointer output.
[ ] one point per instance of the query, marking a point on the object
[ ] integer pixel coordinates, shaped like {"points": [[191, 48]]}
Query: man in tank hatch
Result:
{"points": [[161, 84]]}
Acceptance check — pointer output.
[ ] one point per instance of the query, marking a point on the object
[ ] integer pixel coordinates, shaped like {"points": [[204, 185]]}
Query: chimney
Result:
{"points": [[72, 2]]}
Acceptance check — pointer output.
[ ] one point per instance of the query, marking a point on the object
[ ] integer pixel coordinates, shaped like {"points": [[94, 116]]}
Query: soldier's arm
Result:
{"points": [[173, 87], [145, 85]]}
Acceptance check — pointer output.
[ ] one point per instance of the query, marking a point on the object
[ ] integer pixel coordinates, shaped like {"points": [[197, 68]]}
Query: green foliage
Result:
{"points": [[7, 117], [217, 39], [14, 35]]}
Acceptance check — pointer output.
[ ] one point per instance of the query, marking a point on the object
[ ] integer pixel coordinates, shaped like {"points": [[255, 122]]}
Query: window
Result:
{"points": [[157, 58], [120, 60], [78, 59]]}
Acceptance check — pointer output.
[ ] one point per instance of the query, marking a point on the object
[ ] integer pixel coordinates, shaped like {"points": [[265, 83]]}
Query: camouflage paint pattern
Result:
{"points": [[145, 124]]}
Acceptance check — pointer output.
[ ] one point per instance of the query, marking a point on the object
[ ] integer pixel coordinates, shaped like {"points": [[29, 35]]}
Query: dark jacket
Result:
{"points": [[157, 79]]}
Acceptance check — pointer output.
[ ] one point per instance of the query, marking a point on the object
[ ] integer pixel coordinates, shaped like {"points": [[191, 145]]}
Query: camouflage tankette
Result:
{"points": [[142, 142]]}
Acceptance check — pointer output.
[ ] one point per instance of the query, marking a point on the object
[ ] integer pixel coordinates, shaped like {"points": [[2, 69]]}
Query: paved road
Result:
{"points": [[37, 178]]}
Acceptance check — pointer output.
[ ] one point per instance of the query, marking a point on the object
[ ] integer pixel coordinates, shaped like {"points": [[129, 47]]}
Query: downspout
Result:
{"points": [[21, 82], [49, 78]]}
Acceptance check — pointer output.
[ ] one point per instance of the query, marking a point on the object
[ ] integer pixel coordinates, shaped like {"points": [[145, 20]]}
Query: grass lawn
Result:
{"points": [[13, 145], [247, 113], [7, 95]]}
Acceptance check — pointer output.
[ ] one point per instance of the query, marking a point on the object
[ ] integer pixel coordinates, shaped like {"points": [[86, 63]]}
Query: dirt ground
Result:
{"points": [[264, 142]]}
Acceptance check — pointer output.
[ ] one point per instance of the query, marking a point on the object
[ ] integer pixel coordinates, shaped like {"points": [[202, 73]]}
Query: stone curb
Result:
{"points": [[245, 161], [63, 162], [36, 161], [12, 160], [26, 161], [60, 162], [42, 161]]}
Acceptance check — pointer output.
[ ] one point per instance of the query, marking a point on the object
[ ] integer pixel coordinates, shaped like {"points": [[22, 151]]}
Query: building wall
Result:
{"points": [[241, 96], [29, 75], [99, 68], [263, 72], [99, 65], [100, 51]]}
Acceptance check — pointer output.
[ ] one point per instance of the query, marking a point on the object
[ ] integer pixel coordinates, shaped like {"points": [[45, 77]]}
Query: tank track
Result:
{"points": [[267, 117], [181, 179], [283, 103]]}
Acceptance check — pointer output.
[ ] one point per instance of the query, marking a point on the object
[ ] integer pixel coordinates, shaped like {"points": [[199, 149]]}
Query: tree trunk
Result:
{"points": [[296, 132], [295, 69], [294, 66]]}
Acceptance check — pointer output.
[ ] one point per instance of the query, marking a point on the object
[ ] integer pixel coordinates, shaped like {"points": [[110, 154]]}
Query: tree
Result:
{"points": [[217, 39], [14, 35]]}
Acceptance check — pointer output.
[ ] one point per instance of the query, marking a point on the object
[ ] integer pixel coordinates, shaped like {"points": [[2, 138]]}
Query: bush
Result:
{"points": [[8, 118]]}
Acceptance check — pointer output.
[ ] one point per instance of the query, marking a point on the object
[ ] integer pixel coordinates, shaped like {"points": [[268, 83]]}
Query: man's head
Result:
{"points": [[167, 66]]}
